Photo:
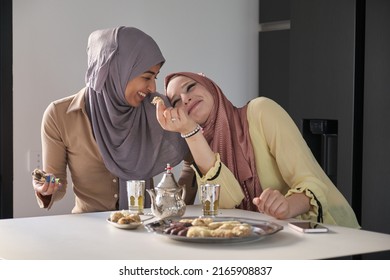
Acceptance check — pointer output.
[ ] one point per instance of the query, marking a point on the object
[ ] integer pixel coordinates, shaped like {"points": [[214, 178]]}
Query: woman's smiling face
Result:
{"points": [[193, 97], [142, 85]]}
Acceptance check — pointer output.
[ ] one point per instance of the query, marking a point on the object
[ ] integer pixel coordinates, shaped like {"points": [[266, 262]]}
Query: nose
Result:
{"points": [[152, 86], [186, 100]]}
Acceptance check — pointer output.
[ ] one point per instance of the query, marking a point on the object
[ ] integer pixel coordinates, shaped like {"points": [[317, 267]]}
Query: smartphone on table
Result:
{"points": [[308, 227]]}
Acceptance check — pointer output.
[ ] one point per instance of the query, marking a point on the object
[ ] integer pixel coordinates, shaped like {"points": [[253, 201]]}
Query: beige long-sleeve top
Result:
{"points": [[284, 162], [67, 141]]}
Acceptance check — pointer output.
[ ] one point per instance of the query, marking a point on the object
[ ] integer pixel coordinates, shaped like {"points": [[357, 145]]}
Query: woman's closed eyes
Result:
{"points": [[187, 89]]}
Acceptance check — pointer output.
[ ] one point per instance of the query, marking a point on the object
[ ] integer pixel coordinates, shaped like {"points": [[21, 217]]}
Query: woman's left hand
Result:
{"points": [[273, 203]]}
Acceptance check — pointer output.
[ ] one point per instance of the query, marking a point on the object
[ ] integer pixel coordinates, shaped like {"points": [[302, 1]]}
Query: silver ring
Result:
{"points": [[173, 119]]}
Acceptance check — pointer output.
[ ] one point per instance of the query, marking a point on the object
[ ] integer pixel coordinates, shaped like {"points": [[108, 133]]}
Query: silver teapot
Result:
{"points": [[165, 197]]}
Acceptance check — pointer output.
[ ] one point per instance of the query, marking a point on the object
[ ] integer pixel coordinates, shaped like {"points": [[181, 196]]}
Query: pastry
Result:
{"points": [[223, 225], [125, 220], [135, 217], [157, 99], [39, 175], [124, 217], [115, 216], [225, 233], [242, 230], [202, 221], [198, 231], [128, 220], [206, 227], [186, 221]]}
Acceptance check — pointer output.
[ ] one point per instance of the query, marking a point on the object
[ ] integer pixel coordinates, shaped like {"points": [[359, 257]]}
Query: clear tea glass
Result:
{"points": [[209, 197], [136, 195]]}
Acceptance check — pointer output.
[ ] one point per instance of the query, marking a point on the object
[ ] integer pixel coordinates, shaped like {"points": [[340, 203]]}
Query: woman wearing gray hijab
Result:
{"points": [[107, 133]]}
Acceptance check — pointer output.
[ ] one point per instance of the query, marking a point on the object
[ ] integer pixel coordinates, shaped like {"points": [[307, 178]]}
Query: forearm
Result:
{"points": [[201, 152], [298, 203], [54, 158]]}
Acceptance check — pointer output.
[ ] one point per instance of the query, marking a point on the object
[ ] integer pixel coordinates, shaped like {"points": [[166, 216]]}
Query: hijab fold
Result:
{"points": [[131, 141], [227, 132]]}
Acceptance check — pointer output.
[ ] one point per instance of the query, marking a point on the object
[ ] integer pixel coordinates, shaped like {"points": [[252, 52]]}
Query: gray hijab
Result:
{"points": [[132, 143]]}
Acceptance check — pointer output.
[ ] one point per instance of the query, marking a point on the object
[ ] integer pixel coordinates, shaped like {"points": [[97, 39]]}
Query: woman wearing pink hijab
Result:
{"points": [[108, 133], [256, 153]]}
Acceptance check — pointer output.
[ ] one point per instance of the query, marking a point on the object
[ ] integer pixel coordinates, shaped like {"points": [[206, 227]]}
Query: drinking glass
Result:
{"points": [[136, 195], [210, 199]]}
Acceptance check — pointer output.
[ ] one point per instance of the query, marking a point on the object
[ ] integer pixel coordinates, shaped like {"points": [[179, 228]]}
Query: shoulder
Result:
{"points": [[262, 102], [60, 108], [265, 112], [68, 103], [264, 105], [62, 102]]}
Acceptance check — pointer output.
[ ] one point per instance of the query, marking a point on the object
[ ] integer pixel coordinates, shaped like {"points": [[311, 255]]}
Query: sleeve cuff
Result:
{"points": [[44, 201], [213, 172], [316, 210]]}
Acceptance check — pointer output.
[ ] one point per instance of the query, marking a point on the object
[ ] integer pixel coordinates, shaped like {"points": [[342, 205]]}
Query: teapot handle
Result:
{"points": [[183, 194]]}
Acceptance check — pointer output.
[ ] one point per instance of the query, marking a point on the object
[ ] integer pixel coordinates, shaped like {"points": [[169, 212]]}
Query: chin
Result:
{"points": [[197, 119]]}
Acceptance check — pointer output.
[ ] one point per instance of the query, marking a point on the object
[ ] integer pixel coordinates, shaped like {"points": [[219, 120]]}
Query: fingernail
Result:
{"points": [[53, 179], [48, 179]]}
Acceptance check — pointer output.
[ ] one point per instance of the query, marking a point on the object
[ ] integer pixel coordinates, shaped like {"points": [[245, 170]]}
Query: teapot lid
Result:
{"points": [[168, 180]]}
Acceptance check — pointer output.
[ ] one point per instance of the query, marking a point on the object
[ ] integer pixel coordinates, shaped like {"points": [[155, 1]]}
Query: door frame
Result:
{"points": [[6, 111]]}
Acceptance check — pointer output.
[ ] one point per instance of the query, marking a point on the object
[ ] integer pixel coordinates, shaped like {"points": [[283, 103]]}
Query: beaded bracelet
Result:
{"points": [[192, 133]]}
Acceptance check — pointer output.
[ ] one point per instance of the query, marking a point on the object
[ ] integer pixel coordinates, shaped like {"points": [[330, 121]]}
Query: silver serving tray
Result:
{"points": [[260, 229]]}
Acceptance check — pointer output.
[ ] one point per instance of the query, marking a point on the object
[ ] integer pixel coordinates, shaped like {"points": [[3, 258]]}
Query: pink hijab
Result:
{"points": [[226, 131]]}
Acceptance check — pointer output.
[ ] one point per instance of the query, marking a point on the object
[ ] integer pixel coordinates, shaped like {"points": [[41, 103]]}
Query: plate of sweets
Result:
{"points": [[124, 220]]}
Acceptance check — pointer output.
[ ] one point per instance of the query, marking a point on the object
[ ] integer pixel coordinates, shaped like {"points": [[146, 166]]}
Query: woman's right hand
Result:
{"points": [[174, 119], [50, 186]]}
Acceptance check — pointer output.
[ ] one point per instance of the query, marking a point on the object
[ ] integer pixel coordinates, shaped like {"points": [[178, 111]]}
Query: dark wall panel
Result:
{"points": [[376, 148], [322, 53], [274, 10], [274, 66]]}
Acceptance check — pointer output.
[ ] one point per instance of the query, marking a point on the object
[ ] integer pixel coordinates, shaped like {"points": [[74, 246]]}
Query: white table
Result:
{"points": [[88, 236]]}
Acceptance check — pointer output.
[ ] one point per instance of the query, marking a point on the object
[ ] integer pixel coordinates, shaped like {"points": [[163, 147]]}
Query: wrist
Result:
{"points": [[192, 132]]}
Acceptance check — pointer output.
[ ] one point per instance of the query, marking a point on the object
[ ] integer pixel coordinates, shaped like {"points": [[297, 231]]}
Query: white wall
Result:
{"points": [[217, 37]]}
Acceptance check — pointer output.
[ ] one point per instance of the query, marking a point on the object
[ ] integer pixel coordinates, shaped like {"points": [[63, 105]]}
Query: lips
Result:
{"points": [[192, 106]]}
